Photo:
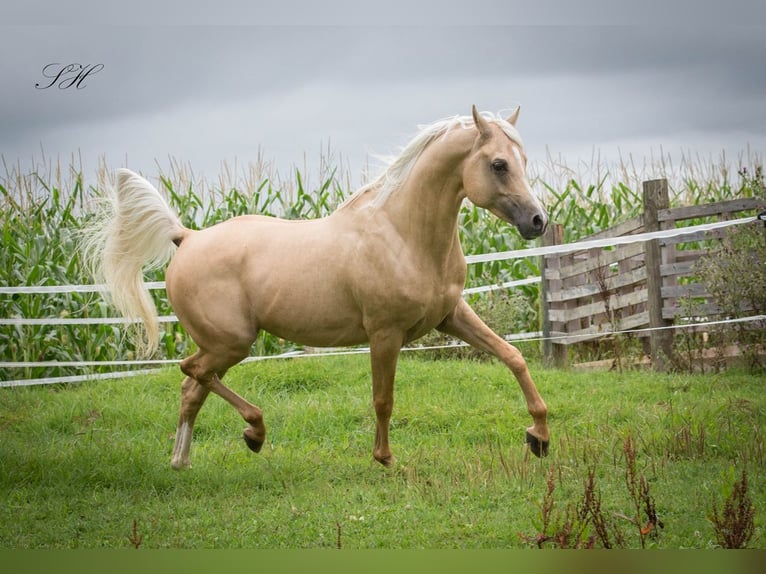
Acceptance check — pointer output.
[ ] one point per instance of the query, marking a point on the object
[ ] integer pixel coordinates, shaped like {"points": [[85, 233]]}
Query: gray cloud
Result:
{"points": [[208, 93]]}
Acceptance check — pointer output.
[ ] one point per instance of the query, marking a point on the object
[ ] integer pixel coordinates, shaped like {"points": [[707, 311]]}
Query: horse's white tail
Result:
{"points": [[136, 230]]}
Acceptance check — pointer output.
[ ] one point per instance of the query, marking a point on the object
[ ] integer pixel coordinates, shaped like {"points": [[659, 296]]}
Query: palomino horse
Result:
{"points": [[385, 268]]}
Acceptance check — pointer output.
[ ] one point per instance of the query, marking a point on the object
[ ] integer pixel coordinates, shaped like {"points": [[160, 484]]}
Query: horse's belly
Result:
{"points": [[326, 337], [316, 317]]}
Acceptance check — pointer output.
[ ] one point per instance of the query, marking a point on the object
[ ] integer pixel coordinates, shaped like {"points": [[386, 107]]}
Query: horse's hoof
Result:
{"points": [[180, 464], [538, 447], [253, 442], [388, 461]]}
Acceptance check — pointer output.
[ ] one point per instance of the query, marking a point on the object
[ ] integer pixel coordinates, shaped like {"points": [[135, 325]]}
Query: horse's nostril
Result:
{"points": [[538, 222]]}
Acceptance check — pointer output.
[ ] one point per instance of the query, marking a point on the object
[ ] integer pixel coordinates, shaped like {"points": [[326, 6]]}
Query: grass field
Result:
{"points": [[88, 465]]}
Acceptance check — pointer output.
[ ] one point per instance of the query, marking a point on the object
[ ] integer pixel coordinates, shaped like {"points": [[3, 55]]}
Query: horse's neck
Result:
{"points": [[425, 207]]}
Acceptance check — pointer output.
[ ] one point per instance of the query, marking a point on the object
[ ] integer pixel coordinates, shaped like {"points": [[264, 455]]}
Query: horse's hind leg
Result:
{"points": [[193, 396], [204, 371], [255, 432]]}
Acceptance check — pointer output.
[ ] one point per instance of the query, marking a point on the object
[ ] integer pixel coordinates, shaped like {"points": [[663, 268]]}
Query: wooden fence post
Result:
{"points": [[554, 354], [661, 342]]}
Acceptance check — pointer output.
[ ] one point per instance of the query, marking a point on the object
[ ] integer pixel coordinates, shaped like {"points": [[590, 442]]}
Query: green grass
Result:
{"points": [[79, 464]]}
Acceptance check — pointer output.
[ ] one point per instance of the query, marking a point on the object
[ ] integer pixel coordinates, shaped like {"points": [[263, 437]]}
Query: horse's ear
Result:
{"points": [[481, 124], [514, 116]]}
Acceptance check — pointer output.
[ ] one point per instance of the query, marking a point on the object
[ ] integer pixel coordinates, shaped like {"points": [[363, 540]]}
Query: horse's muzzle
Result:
{"points": [[534, 226], [531, 221]]}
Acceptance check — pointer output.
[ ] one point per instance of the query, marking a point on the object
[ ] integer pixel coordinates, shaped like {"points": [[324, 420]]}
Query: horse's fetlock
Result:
{"points": [[383, 407], [538, 410], [255, 417]]}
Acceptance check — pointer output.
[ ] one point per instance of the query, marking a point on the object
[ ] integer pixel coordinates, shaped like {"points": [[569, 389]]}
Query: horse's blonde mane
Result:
{"points": [[398, 168]]}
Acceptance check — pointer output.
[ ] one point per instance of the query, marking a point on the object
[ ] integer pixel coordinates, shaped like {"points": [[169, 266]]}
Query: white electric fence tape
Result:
{"points": [[48, 289], [606, 242]]}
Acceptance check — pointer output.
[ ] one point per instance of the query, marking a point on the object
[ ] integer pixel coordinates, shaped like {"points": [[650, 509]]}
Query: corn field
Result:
{"points": [[45, 206]]}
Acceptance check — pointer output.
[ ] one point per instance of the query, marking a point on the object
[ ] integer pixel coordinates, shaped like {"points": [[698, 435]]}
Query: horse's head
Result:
{"points": [[494, 177]]}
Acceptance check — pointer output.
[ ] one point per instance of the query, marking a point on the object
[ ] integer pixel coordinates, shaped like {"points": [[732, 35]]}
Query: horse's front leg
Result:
{"points": [[384, 354], [464, 323]]}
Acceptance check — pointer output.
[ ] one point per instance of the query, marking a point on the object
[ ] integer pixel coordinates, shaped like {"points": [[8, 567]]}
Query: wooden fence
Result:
{"points": [[591, 293]]}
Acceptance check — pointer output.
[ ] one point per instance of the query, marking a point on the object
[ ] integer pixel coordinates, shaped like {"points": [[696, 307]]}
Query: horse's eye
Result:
{"points": [[499, 166]]}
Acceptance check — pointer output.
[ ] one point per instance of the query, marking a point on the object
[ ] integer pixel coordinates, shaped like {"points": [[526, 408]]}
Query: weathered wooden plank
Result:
{"points": [[688, 290], [700, 310], [695, 236], [685, 262], [709, 209], [617, 303], [610, 364], [632, 225], [678, 268], [595, 331], [617, 282], [729, 354], [692, 254], [604, 258]]}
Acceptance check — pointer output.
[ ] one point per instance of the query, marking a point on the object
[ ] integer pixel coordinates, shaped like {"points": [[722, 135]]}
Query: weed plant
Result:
{"points": [[734, 522]]}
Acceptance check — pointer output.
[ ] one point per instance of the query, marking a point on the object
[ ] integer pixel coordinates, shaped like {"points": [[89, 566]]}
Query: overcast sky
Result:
{"points": [[204, 94]]}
